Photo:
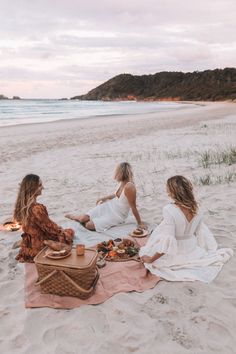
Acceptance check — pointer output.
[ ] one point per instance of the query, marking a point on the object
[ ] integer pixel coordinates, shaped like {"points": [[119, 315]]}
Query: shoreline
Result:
{"points": [[99, 116], [132, 116], [40, 137]]}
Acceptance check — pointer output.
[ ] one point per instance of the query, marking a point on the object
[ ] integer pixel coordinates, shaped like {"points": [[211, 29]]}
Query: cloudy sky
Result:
{"points": [[61, 48]]}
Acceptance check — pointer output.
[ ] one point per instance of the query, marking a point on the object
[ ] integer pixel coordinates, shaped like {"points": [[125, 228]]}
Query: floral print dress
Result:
{"points": [[39, 228]]}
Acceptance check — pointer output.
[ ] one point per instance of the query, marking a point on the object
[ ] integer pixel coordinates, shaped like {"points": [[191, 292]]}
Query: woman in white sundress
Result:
{"points": [[182, 248], [113, 209]]}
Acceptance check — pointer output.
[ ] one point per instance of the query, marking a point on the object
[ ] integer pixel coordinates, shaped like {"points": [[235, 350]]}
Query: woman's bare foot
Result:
{"points": [[71, 217], [90, 226], [82, 219]]}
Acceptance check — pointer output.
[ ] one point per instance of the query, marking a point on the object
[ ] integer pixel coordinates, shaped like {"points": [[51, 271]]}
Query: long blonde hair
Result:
{"points": [[26, 197], [124, 172], [181, 191]]}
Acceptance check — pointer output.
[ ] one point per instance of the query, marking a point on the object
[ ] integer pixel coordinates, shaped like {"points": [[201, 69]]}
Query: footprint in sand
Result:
{"points": [[182, 338], [19, 341], [151, 306], [218, 337], [49, 335], [198, 319], [232, 301], [4, 313], [158, 298], [196, 309], [191, 291]]}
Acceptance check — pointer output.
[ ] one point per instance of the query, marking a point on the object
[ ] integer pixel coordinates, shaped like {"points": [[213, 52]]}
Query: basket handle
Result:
{"points": [[38, 282], [82, 290]]}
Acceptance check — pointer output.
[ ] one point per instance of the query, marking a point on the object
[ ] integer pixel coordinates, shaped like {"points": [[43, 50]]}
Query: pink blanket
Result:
{"points": [[114, 278]]}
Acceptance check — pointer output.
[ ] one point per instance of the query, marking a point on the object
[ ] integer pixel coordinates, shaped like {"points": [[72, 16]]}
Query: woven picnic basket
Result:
{"points": [[74, 275]]}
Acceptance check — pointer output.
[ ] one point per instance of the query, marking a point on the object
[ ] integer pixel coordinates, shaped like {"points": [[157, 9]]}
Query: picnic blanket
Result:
{"points": [[91, 238], [114, 278]]}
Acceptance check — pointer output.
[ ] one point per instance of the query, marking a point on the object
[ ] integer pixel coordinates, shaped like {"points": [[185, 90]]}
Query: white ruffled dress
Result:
{"points": [[110, 213], [190, 249]]}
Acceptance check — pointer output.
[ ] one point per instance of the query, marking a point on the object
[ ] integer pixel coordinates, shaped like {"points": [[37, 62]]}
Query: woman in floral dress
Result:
{"points": [[36, 224]]}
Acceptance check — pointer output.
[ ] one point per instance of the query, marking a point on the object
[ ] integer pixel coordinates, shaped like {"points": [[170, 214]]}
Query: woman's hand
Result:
{"points": [[100, 201], [104, 199], [69, 235], [146, 259], [142, 226]]}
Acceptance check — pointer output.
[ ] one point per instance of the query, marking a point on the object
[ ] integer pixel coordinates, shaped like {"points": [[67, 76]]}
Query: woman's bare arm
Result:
{"points": [[130, 193], [148, 259], [104, 199]]}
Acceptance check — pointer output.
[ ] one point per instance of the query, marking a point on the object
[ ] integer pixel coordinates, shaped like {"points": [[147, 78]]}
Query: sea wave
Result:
{"points": [[14, 112]]}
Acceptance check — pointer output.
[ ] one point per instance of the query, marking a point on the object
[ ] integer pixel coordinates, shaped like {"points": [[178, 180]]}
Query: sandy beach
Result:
{"points": [[76, 160]]}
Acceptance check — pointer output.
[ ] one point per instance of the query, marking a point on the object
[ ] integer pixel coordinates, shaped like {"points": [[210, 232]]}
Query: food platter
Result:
{"points": [[57, 254], [119, 250], [134, 258]]}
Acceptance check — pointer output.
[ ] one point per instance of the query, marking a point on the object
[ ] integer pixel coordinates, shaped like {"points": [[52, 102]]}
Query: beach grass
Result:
{"points": [[210, 179], [226, 156]]}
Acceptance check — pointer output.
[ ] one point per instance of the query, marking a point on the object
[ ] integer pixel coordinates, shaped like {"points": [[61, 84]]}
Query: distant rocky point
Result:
{"points": [[208, 85], [2, 97]]}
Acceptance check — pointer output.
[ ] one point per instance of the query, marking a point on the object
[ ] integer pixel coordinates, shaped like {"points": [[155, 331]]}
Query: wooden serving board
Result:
{"points": [[119, 259]]}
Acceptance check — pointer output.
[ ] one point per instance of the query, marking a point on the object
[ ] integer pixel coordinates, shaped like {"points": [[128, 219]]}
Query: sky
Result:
{"points": [[63, 48]]}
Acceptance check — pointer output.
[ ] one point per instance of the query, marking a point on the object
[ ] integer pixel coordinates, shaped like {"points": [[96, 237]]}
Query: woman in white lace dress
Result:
{"points": [[182, 248], [113, 209]]}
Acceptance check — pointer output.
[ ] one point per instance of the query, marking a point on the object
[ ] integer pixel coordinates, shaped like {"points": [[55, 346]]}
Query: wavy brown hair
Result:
{"points": [[124, 172], [26, 197], [181, 190]]}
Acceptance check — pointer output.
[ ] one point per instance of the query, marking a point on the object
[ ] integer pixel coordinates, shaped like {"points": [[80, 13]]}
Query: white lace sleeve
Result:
{"points": [[163, 238], [205, 237]]}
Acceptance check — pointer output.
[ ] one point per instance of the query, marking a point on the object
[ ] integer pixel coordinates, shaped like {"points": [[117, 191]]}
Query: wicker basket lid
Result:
{"points": [[72, 261]]}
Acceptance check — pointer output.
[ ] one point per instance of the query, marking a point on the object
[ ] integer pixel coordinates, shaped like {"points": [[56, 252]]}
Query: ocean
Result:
{"points": [[14, 112]]}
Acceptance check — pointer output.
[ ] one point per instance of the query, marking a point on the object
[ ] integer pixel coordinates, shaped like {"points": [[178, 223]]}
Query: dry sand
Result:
{"points": [[75, 160]]}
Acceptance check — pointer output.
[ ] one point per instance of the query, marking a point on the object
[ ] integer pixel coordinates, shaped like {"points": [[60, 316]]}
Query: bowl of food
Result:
{"points": [[126, 249], [57, 254], [139, 233], [121, 252]]}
